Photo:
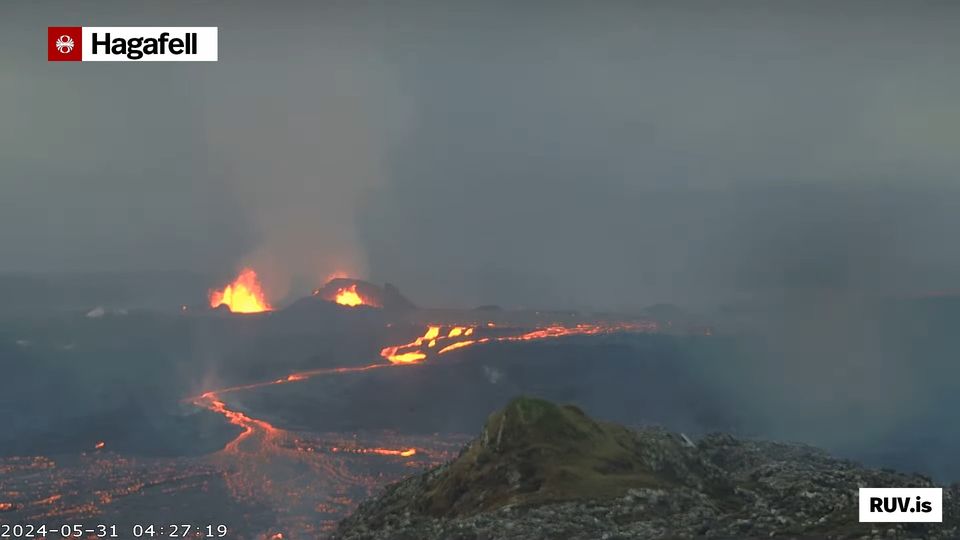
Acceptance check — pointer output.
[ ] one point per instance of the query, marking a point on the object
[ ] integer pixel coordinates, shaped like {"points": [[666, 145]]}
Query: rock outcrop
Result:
{"points": [[545, 471]]}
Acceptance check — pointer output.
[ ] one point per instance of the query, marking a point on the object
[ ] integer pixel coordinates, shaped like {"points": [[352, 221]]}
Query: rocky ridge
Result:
{"points": [[545, 471]]}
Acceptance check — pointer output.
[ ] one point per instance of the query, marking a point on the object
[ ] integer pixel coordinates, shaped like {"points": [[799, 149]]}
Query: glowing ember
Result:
{"points": [[244, 295], [49, 500], [99, 445]]}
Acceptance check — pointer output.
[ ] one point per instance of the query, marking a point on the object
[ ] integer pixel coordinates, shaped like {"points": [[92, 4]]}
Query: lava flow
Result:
{"points": [[393, 354], [381, 451], [433, 339], [237, 418], [444, 342], [212, 401], [293, 377], [261, 453], [244, 295]]}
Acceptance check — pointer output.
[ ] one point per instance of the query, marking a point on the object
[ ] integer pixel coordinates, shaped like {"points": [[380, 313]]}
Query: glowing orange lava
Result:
{"points": [[583, 329], [409, 353], [267, 463], [211, 401], [417, 350], [394, 356], [293, 377], [244, 295], [348, 296], [458, 345], [263, 430], [381, 451], [237, 418], [405, 358], [49, 500]]}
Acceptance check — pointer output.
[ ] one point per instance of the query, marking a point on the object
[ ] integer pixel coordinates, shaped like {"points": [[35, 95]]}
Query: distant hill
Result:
{"points": [[542, 471]]}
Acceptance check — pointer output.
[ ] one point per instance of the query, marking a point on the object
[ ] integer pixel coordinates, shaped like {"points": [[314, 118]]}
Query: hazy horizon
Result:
{"points": [[574, 156]]}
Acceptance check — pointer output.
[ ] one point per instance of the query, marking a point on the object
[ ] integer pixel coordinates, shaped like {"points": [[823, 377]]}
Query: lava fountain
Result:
{"points": [[348, 296], [351, 292], [243, 295]]}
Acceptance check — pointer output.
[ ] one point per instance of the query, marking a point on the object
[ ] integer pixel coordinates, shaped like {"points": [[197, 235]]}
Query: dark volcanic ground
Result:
{"points": [[631, 378], [70, 381]]}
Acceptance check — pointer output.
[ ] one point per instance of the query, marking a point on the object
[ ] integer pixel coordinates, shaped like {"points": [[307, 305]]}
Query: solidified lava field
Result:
{"points": [[280, 422]]}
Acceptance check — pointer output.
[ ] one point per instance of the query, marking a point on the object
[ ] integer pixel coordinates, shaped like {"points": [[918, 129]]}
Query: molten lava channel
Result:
{"points": [[258, 439], [434, 341], [456, 338], [266, 436], [243, 295], [380, 451], [237, 418]]}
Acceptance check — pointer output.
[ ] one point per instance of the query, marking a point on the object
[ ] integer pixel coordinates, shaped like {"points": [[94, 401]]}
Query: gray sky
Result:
{"points": [[599, 154]]}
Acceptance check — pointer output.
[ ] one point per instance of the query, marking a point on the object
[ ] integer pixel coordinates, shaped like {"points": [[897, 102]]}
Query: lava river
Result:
{"points": [[436, 340], [268, 462]]}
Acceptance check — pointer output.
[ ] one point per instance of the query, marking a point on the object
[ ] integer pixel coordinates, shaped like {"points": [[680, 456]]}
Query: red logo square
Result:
{"points": [[64, 43]]}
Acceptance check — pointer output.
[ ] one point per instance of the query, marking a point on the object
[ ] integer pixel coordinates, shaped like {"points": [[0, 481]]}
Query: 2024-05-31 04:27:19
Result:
{"points": [[173, 530]]}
